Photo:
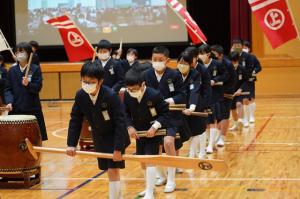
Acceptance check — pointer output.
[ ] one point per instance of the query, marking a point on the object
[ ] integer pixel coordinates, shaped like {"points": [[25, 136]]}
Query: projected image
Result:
{"points": [[104, 15], [135, 21]]}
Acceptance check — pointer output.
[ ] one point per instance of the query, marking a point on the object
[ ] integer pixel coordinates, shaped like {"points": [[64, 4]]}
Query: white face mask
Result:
{"points": [[88, 88], [159, 66], [103, 56], [246, 50], [22, 57], [136, 94], [130, 58], [183, 68]]}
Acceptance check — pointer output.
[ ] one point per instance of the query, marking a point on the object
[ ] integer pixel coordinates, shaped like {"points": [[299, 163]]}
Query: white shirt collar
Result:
{"points": [[139, 99], [158, 76], [94, 98], [104, 62], [206, 65], [22, 69], [184, 77]]}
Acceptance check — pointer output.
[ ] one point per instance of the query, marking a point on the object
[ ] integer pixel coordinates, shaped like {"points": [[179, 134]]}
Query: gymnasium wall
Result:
{"points": [[281, 66]]}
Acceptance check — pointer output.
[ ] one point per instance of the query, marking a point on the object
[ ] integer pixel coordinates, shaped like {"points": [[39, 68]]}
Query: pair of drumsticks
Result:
{"points": [[182, 107]]}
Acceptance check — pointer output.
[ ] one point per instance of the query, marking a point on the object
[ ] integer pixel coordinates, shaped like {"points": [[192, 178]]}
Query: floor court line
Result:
{"points": [[182, 179], [54, 133], [259, 132], [81, 185]]}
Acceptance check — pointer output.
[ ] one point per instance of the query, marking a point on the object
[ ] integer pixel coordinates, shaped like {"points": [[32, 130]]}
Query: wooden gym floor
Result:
{"points": [[263, 160]]}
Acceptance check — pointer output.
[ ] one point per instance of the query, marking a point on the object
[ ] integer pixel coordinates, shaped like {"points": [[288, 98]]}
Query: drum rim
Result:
{"points": [[17, 118]]}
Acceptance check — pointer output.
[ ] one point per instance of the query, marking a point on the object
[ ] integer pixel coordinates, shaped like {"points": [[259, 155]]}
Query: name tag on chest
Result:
{"points": [[111, 71], [192, 86], [171, 87], [153, 111], [240, 77], [215, 73], [105, 115]]}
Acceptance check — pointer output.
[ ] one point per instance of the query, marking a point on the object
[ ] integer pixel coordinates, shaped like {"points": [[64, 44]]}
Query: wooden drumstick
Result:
{"points": [[232, 96], [218, 84], [95, 54], [28, 65], [177, 106], [161, 133], [200, 114], [162, 160]]}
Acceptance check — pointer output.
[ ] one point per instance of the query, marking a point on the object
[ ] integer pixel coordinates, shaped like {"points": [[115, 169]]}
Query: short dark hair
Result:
{"points": [[218, 48], [192, 50], [92, 69], [1, 58], [134, 77], [133, 51], [104, 44], [161, 50], [24, 46], [205, 48], [247, 43], [234, 56], [186, 56], [34, 44], [236, 41], [115, 52]]}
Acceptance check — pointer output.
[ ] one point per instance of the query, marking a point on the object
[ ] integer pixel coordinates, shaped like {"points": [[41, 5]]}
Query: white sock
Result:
{"points": [[217, 135], [115, 190], [212, 136], [150, 180], [252, 108], [171, 175], [193, 147], [202, 140], [246, 113], [160, 171]]}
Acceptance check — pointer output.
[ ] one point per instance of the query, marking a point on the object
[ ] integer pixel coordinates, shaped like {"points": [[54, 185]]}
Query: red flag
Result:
{"points": [[275, 19], [77, 46], [193, 29]]}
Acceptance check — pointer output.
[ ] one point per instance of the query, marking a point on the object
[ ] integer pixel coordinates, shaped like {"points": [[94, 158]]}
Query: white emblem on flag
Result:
{"points": [[75, 39], [274, 19]]}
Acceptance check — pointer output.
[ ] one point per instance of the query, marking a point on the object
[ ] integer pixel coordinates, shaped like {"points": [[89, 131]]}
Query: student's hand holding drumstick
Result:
{"points": [[238, 92], [9, 107], [151, 132], [71, 151], [132, 133], [212, 82], [117, 156], [25, 81]]}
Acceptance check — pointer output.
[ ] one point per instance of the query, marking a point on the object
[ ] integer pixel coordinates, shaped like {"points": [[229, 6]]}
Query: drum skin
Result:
{"points": [[14, 155]]}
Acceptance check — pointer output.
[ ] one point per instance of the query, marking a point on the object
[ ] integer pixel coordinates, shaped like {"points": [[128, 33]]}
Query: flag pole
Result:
{"points": [[7, 44], [293, 18], [186, 23], [80, 31]]}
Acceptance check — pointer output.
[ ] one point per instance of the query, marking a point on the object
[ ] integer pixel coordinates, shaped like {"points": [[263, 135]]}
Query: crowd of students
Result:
{"points": [[205, 81]]}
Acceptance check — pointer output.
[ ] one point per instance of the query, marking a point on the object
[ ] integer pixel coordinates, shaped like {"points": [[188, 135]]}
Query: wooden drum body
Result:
{"points": [[86, 141], [15, 160]]}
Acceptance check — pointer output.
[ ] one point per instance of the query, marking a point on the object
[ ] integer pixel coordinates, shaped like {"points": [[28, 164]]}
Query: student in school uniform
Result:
{"points": [[218, 73], [197, 96], [3, 73], [22, 93], [102, 108], [205, 76], [114, 73], [35, 47], [147, 111], [241, 85], [169, 83], [246, 61], [252, 80], [218, 51]]}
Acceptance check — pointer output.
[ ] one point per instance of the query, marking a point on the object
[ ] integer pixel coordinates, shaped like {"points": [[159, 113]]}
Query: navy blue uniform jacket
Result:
{"points": [[218, 73], [114, 74], [112, 130], [152, 107], [170, 86]]}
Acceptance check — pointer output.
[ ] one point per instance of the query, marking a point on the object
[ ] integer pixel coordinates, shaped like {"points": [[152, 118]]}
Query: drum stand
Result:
{"points": [[20, 179]]}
